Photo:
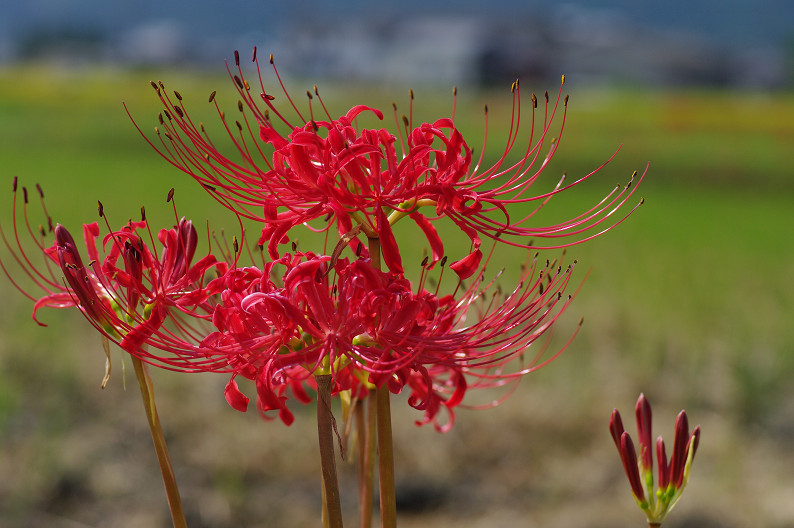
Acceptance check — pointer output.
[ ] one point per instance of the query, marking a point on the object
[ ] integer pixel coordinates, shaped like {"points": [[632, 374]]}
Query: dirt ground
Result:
{"points": [[73, 455]]}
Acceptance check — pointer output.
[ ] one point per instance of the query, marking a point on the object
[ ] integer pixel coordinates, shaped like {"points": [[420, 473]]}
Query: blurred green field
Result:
{"points": [[690, 300]]}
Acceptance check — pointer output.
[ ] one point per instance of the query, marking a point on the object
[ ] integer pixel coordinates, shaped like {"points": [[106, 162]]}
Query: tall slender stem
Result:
{"points": [[169, 479], [325, 434], [388, 502], [367, 453]]}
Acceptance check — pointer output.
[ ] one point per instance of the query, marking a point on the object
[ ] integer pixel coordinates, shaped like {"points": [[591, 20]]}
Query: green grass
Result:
{"points": [[689, 300]]}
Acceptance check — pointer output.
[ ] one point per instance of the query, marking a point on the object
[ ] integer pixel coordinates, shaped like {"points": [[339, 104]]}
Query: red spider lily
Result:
{"points": [[367, 327], [128, 293], [371, 328], [673, 475], [289, 172]]}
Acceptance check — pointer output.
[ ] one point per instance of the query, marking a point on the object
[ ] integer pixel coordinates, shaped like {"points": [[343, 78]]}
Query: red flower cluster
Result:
{"points": [[303, 314], [330, 169]]}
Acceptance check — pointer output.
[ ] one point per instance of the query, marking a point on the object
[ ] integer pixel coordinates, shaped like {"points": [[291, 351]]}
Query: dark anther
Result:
{"points": [[100, 208], [212, 96], [236, 58], [170, 195]]}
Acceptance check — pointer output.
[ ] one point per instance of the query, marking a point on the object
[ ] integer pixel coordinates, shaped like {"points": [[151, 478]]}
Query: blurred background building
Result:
{"points": [[673, 43]]}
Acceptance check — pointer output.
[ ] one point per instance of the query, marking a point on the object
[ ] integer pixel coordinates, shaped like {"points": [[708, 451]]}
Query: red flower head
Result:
{"points": [[288, 173], [128, 293], [673, 475], [370, 328]]}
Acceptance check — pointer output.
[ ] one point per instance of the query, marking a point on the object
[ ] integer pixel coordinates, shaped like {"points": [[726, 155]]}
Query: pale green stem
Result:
{"points": [[169, 480], [325, 434], [365, 426], [388, 502], [409, 208]]}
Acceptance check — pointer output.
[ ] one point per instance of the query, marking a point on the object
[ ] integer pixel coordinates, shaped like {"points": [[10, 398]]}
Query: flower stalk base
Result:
{"points": [[365, 425], [388, 502], [332, 501], [169, 479]]}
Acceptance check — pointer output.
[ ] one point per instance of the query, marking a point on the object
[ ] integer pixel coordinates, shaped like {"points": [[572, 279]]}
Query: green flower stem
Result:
{"points": [[365, 426], [169, 480], [388, 502], [409, 207], [325, 434]]}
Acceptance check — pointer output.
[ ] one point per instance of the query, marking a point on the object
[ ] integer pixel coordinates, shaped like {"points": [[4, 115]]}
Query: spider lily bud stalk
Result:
{"points": [[673, 474]]}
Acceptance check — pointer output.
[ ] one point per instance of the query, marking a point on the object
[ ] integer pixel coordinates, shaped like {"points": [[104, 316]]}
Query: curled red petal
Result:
{"points": [[466, 266], [234, 397], [388, 244]]}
